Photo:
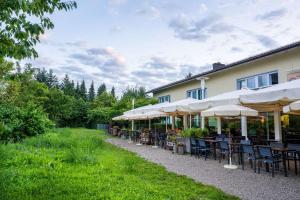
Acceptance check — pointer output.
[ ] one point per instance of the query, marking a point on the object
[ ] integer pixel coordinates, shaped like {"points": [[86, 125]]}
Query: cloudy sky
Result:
{"points": [[153, 42]]}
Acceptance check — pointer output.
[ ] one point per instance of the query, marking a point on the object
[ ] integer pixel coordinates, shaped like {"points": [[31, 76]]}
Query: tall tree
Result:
{"points": [[67, 86], [18, 32], [82, 90], [101, 89], [41, 75], [92, 92], [113, 92], [52, 80], [77, 90]]}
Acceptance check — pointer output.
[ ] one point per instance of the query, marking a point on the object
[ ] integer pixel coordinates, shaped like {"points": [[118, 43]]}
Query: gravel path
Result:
{"points": [[245, 184]]}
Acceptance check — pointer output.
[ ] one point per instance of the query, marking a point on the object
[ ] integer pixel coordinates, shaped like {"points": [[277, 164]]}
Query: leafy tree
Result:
{"points": [[101, 89], [22, 22], [92, 92]]}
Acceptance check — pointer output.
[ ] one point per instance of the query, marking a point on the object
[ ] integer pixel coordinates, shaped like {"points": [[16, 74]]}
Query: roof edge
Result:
{"points": [[240, 62]]}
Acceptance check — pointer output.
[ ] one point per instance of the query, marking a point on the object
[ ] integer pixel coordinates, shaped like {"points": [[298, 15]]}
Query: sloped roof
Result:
{"points": [[234, 64]]}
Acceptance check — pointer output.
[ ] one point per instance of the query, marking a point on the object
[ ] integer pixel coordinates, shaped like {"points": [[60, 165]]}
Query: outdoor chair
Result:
{"points": [[220, 137], [162, 140], [252, 156], [224, 150], [204, 148], [293, 155], [245, 142], [268, 157], [194, 146], [145, 138], [277, 144]]}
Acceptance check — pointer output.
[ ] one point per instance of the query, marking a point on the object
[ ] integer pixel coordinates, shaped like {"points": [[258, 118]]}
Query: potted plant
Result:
{"points": [[205, 132], [180, 148], [186, 135]]}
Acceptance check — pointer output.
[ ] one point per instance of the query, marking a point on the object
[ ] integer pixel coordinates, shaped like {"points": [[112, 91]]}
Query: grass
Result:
{"points": [[78, 164]]}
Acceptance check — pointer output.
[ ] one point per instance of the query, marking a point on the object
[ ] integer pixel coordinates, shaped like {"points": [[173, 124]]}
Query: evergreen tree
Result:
{"points": [[77, 90], [82, 91], [112, 92], [92, 92], [52, 80], [101, 89], [67, 86], [41, 75]]}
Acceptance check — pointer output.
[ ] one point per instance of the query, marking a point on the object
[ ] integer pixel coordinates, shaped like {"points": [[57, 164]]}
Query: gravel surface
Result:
{"points": [[245, 184]]}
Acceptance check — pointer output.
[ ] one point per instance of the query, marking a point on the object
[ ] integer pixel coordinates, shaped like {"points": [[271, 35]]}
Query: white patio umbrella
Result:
{"points": [[119, 118], [293, 108], [148, 108], [276, 95], [181, 106], [232, 97], [229, 111]]}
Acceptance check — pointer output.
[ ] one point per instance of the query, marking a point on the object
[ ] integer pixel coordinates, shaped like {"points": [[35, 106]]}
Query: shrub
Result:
{"points": [[17, 123]]}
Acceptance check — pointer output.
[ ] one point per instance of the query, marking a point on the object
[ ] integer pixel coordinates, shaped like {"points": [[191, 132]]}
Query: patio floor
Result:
{"points": [[245, 184]]}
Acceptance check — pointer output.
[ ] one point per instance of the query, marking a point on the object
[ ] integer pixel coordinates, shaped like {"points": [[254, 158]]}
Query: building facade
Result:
{"points": [[259, 71]]}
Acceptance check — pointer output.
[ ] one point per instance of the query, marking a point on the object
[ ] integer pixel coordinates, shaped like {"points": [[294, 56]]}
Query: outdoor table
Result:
{"points": [[214, 144], [283, 151]]}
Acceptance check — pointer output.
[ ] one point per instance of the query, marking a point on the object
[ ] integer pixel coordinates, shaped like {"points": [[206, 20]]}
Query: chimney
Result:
{"points": [[218, 65]]}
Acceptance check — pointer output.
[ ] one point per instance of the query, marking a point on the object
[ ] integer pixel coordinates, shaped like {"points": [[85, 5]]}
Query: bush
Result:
{"points": [[17, 123], [194, 132]]}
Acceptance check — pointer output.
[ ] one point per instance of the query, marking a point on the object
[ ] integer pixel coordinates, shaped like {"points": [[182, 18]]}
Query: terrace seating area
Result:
{"points": [[256, 127], [273, 158]]}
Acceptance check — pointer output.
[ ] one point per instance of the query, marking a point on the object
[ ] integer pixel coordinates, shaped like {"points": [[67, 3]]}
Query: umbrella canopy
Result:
{"points": [[138, 110], [181, 106], [144, 109], [155, 114], [229, 111], [232, 97], [292, 108], [280, 94], [119, 118]]}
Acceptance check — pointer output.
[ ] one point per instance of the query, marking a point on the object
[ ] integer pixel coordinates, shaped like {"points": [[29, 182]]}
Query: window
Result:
{"points": [[258, 81], [263, 80], [273, 78], [196, 93], [251, 82], [164, 99]]}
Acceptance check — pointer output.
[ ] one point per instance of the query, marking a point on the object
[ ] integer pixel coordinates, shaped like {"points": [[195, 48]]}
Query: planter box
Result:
{"points": [[180, 150], [186, 142]]}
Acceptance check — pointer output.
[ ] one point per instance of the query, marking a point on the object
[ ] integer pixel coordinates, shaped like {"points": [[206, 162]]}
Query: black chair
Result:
{"points": [[245, 142], [293, 155], [194, 146], [162, 139], [224, 150], [220, 137], [276, 144], [203, 148], [267, 157], [252, 156]]}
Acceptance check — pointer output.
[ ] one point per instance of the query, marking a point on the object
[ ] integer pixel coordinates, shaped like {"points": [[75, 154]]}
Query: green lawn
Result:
{"points": [[78, 164]]}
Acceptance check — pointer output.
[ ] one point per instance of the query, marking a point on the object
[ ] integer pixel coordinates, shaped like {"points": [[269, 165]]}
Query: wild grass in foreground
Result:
{"points": [[78, 164]]}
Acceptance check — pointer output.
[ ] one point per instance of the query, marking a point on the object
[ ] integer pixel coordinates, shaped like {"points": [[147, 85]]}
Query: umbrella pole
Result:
{"points": [[166, 124], [155, 139], [230, 166]]}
